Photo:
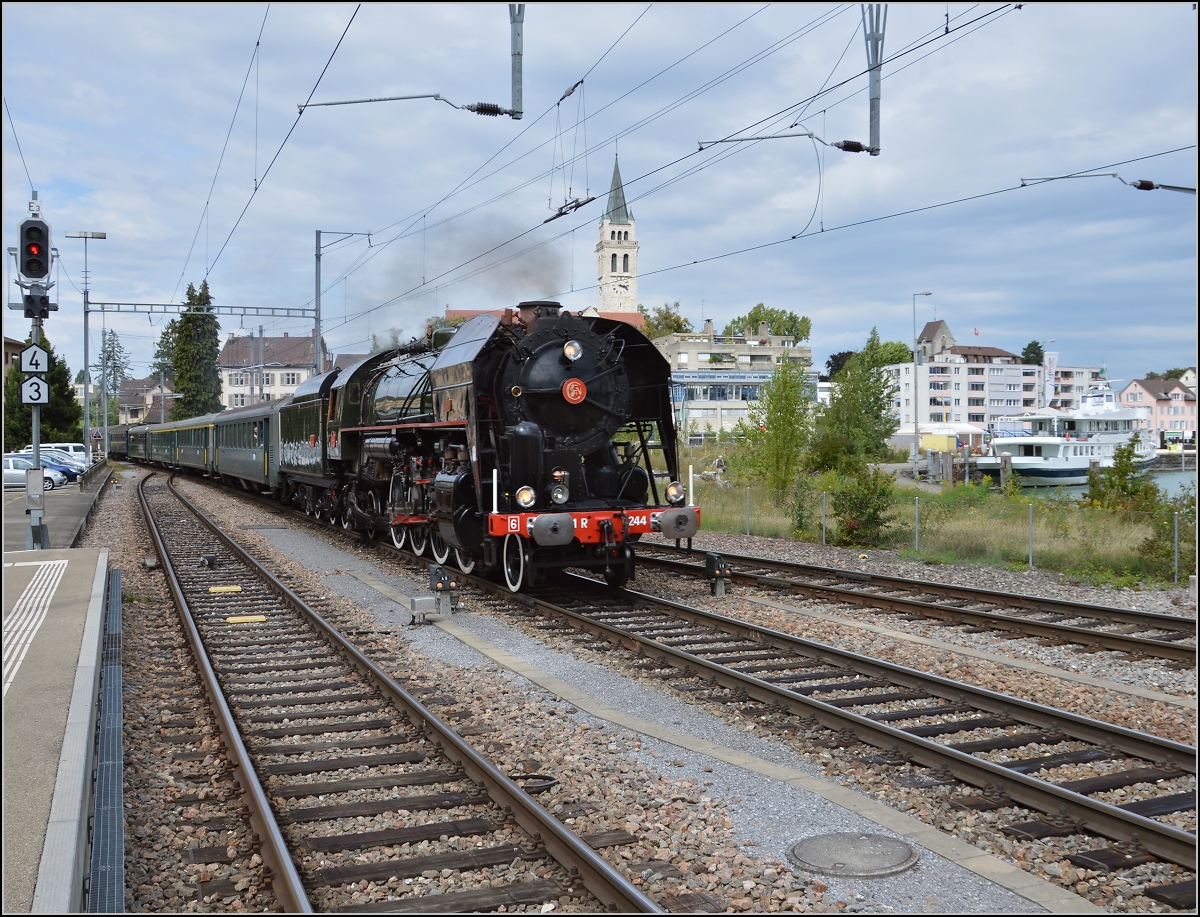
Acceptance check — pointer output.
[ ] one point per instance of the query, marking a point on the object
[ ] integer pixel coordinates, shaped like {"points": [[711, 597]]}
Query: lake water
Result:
{"points": [[1165, 473]]}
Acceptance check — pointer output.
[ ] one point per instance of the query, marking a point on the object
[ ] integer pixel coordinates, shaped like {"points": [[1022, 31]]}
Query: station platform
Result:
{"points": [[54, 605], [67, 512]]}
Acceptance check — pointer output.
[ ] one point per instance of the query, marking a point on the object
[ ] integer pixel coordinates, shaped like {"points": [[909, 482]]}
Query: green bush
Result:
{"points": [[863, 509]]}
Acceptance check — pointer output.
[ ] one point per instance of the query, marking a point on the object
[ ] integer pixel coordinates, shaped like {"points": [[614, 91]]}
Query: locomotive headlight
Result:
{"points": [[676, 493], [525, 496], [560, 476], [572, 350], [560, 493]]}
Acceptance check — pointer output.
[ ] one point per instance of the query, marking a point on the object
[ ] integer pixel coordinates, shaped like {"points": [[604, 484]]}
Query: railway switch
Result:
{"points": [[717, 570]]}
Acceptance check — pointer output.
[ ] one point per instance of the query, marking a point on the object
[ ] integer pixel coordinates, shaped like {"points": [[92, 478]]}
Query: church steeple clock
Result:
{"points": [[616, 253]]}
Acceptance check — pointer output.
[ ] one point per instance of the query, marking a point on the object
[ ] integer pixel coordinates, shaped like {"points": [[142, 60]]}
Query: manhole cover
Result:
{"points": [[853, 854]]}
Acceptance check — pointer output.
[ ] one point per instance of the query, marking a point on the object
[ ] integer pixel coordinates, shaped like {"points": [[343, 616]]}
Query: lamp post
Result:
{"points": [[87, 373], [916, 431]]}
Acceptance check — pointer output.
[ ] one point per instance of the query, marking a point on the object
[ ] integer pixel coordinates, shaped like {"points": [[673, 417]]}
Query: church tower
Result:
{"points": [[616, 253]]}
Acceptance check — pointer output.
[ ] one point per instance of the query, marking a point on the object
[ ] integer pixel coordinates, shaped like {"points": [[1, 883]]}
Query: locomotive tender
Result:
{"points": [[520, 444]]}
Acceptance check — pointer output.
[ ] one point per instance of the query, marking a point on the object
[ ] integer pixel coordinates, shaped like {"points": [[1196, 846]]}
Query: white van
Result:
{"points": [[75, 450]]}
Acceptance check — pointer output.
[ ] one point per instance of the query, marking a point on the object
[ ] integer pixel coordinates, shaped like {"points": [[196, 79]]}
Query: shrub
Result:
{"points": [[862, 508]]}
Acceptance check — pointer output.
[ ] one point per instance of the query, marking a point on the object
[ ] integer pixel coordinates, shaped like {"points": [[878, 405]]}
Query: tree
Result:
{"points": [[164, 353], [1176, 373], [779, 427], [112, 365], [1033, 354], [836, 361], [61, 419], [893, 352], [666, 319], [779, 322], [197, 376], [861, 408]]}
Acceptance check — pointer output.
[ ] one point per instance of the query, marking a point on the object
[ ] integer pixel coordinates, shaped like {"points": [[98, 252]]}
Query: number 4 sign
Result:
{"points": [[35, 359], [34, 390]]}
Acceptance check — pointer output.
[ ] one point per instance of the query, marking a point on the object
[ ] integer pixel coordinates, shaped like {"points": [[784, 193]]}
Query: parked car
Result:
{"points": [[65, 458], [15, 467], [70, 471]]}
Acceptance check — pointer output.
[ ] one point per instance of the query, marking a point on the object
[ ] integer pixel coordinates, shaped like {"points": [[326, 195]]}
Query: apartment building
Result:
{"points": [[260, 368], [715, 378], [979, 386], [1172, 408]]}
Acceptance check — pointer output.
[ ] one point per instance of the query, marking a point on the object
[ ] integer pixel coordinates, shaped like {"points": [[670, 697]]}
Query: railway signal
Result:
{"points": [[35, 249]]}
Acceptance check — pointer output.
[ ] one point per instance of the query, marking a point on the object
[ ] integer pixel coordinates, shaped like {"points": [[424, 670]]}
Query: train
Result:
{"points": [[521, 443]]}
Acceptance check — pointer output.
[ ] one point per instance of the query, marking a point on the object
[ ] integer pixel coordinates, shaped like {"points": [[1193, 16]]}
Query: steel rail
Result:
{"points": [[1169, 843], [1162, 649], [287, 884], [596, 874], [1034, 603]]}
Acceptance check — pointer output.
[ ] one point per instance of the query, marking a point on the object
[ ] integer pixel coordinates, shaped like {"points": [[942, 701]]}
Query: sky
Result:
{"points": [[174, 129]]}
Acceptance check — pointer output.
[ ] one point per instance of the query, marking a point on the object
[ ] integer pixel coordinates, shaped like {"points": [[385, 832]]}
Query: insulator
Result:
{"points": [[490, 109], [850, 146], [1143, 185]]}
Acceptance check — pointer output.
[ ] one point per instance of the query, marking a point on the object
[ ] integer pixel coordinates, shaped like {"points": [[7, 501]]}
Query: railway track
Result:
{"points": [[348, 778], [1005, 748], [1136, 633]]}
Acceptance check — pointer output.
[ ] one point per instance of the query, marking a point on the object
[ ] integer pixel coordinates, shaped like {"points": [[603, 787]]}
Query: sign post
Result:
{"points": [[34, 262]]}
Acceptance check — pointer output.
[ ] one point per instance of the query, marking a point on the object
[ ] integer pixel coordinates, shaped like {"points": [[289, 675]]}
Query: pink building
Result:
{"points": [[1172, 408]]}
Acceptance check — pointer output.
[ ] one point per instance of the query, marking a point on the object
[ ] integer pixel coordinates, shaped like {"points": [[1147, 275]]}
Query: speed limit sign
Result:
{"points": [[34, 390]]}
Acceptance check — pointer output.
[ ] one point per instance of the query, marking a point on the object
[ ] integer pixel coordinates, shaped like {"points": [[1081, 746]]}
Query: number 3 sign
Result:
{"points": [[34, 390]]}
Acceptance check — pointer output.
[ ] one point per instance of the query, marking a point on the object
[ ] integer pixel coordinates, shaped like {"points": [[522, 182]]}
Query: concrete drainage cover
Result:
{"points": [[853, 854]]}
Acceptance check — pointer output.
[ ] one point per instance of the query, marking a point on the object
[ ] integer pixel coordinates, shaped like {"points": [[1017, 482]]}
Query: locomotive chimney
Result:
{"points": [[528, 312]]}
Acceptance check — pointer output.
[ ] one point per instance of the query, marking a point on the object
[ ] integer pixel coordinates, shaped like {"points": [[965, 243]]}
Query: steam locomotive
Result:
{"points": [[520, 444]]}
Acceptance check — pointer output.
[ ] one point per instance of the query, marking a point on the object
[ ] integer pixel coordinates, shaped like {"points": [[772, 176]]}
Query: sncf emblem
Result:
{"points": [[574, 391]]}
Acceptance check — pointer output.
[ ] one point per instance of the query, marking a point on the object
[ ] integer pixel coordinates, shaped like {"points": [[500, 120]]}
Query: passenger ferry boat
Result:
{"points": [[1055, 447]]}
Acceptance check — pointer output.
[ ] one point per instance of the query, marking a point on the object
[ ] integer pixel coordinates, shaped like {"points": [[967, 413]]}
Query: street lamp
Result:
{"points": [[916, 433], [87, 373]]}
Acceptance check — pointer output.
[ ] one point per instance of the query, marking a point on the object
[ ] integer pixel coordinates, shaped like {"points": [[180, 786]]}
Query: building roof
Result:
{"points": [[342, 360], [617, 211], [1160, 389], [991, 352], [281, 351]]}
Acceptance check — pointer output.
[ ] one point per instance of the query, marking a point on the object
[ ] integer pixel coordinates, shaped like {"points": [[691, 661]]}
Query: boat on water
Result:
{"points": [[1052, 447]]}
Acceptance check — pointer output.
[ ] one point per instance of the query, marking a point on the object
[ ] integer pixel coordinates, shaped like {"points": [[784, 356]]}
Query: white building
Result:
{"points": [[715, 378], [953, 384]]}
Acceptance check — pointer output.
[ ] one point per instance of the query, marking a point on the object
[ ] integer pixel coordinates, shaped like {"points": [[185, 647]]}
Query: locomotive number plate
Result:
{"points": [[574, 391]]}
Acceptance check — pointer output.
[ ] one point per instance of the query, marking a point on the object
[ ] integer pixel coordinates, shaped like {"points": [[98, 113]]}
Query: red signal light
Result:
{"points": [[33, 249]]}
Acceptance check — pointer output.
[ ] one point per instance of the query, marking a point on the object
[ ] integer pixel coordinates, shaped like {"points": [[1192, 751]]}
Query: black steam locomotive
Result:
{"points": [[521, 444]]}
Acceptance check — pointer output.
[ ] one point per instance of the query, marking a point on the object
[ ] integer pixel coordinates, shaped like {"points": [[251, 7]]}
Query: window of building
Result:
{"points": [[613, 236], [291, 378], [625, 264], [974, 370], [683, 359], [975, 418], [614, 263], [238, 378], [237, 401], [995, 371]]}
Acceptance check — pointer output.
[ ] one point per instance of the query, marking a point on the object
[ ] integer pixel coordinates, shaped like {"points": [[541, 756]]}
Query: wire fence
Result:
{"points": [[963, 524]]}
